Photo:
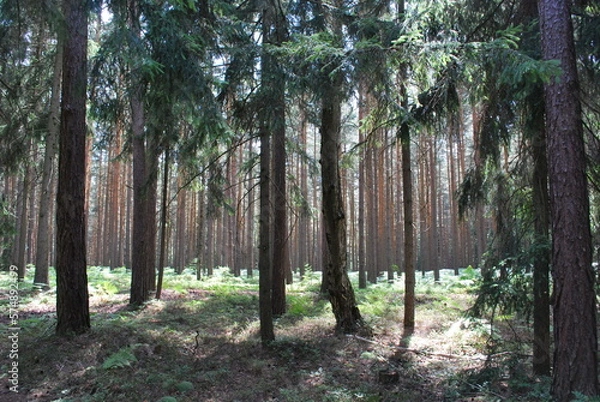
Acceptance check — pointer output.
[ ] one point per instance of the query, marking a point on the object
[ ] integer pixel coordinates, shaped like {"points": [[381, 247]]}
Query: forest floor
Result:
{"points": [[200, 342]]}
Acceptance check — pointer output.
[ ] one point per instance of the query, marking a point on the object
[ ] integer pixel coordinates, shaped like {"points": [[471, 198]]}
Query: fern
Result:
{"points": [[124, 357]]}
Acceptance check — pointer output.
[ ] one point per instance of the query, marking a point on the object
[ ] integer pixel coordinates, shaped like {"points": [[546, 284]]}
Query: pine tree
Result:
{"points": [[575, 334], [72, 299]]}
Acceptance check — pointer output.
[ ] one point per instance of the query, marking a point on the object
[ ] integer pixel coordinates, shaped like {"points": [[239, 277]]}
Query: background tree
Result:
{"points": [[47, 183]]}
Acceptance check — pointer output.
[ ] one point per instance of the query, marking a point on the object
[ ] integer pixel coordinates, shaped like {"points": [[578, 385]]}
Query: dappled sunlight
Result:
{"points": [[201, 342]]}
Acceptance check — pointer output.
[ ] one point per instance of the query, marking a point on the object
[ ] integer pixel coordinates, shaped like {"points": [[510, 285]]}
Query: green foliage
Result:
{"points": [[504, 289], [124, 357], [167, 399], [579, 397], [184, 386], [304, 305]]}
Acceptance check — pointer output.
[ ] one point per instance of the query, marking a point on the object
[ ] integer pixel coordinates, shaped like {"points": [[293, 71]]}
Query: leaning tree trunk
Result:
{"points": [[575, 336], [338, 286], [72, 299]]}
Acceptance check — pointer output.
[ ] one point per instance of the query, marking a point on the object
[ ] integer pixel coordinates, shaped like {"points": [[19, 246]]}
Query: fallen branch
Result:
{"points": [[445, 355]]}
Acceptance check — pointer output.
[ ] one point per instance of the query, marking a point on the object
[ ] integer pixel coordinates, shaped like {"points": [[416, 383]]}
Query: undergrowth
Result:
{"points": [[201, 342]]}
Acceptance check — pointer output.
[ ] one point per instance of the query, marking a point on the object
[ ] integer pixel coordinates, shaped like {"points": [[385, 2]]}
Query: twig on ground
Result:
{"points": [[446, 355]]}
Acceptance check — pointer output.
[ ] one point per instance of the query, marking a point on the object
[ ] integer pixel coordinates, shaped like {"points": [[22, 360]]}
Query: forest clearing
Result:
{"points": [[200, 342]]}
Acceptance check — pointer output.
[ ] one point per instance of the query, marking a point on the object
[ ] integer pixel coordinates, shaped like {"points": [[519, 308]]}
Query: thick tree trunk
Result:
{"points": [[576, 344], [141, 226], [139, 249], [72, 299]]}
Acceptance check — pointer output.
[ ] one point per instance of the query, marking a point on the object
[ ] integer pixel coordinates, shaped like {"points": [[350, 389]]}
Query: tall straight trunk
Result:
{"points": [[140, 248], [163, 227], [304, 220], [139, 290], [535, 127], [541, 264], [240, 221], [272, 120], [281, 263], [180, 237], [575, 334], [409, 263], [434, 238], [250, 213], [264, 241], [390, 215], [370, 215], [26, 186], [380, 203], [129, 217], [362, 244], [46, 195], [210, 247], [72, 298], [115, 199], [152, 167]]}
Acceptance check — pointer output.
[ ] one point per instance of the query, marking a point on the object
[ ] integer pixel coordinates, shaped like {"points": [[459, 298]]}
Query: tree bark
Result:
{"points": [[281, 264], [140, 248], [339, 288], [264, 239], [409, 263], [576, 344], [43, 233], [541, 263], [72, 299]]}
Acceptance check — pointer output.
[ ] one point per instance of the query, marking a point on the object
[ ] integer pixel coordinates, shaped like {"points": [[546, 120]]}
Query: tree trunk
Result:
{"points": [[271, 261], [264, 239], [46, 195], [72, 299], [409, 264], [163, 227], [139, 292], [276, 98], [339, 288], [26, 186], [139, 249], [576, 345], [407, 190], [541, 264]]}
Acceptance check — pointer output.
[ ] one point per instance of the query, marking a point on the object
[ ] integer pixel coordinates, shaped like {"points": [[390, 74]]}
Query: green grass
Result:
{"points": [[201, 342]]}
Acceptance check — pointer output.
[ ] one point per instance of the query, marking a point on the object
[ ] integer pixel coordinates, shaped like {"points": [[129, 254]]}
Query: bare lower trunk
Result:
{"points": [[72, 299], [576, 344]]}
